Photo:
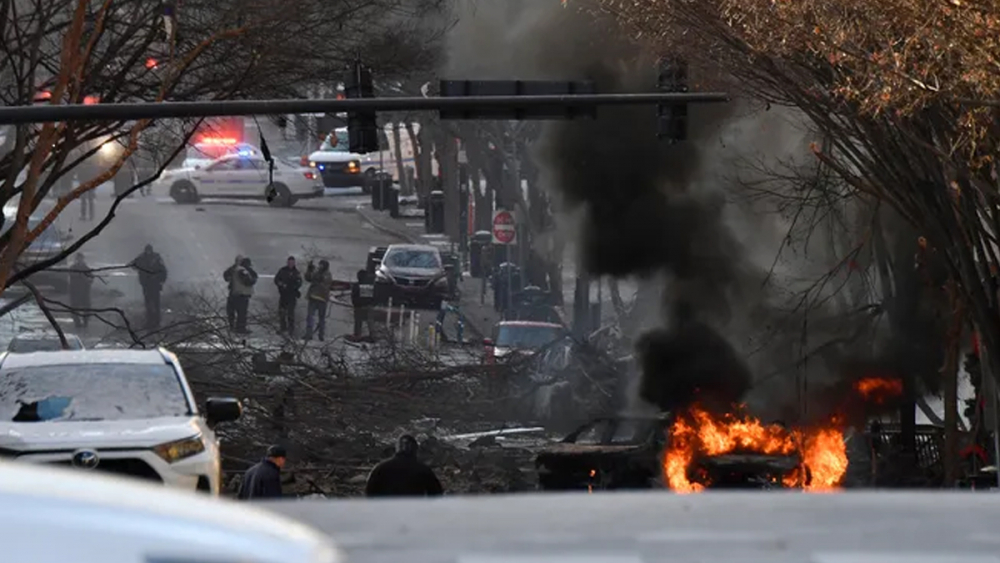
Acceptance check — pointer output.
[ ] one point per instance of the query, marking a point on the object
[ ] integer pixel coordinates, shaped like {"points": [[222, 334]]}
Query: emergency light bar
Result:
{"points": [[218, 141]]}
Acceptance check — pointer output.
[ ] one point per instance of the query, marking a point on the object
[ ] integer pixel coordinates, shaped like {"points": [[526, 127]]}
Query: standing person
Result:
{"points": [[403, 475], [152, 276], [362, 299], [320, 284], [80, 283], [289, 281], [87, 200], [241, 277], [227, 275], [264, 479]]}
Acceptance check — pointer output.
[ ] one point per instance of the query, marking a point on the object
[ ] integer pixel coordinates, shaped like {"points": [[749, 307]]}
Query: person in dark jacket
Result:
{"points": [[241, 278], [317, 296], [403, 475], [289, 281], [264, 479], [362, 298], [152, 276], [80, 283]]}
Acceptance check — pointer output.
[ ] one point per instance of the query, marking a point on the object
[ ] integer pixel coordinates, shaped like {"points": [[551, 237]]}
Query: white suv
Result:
{"points": [[126, 412]]}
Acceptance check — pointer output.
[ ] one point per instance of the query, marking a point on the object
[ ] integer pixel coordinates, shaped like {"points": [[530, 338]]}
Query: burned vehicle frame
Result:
{"points": [[626, 452]]}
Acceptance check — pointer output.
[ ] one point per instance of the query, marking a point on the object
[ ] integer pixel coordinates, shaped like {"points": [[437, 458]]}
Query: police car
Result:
{"points": [[239, 176], [337, 166]]}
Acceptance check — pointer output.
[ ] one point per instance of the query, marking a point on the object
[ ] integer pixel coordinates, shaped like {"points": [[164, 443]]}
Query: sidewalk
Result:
{"points": [[410, 227]]}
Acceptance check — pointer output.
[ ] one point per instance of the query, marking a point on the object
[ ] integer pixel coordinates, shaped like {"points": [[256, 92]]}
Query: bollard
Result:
{"points": [[388, 319], [402, 317], [413, 324]]}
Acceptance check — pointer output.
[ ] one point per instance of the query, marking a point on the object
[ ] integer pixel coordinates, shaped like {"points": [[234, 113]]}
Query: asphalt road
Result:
{"points": [[862, 527], [198, 242]]}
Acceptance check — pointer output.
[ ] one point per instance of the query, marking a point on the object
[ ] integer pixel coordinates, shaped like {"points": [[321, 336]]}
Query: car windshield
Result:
{"points": [[629, 431], [399, 258], [59, 393], [42, 344], [337, 141], [527, 336]]}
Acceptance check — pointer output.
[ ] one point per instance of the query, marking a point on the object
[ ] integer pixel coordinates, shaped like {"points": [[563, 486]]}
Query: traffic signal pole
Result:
{"points": [[46, 113]]}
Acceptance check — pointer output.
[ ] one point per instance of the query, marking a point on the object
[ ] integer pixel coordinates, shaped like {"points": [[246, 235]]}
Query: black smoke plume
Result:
{"points": [[642, 219]]}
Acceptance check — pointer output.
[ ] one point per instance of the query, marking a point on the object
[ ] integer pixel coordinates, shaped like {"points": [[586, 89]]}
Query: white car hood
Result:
{"points": [[334, 156], [139, 433]]}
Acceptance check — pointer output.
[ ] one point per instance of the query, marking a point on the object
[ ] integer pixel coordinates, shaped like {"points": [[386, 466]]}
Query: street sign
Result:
{"points": [[504, 227]]}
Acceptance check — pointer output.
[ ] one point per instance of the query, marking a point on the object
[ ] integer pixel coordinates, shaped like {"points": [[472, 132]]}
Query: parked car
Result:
{"points": [[48, 515], [413, 274], [243, 177], [521, 337], [50, 243], [127, 412], [42, 342]]}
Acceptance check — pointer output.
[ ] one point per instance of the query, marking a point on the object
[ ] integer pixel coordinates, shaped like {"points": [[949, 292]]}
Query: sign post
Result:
{"points": [[505, 233]]}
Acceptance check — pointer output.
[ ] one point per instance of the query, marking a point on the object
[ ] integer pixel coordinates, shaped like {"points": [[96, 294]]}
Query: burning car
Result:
{"points": [[692, 451]]}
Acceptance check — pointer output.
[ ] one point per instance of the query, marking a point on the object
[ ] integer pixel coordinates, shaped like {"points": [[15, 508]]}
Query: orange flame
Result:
{"points": [[823, 452], [878, 389]]}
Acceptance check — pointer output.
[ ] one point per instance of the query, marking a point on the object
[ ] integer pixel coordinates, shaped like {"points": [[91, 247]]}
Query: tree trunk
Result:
{"points": [[950, 373], [397, 145], [448, 153], [422, 146]]}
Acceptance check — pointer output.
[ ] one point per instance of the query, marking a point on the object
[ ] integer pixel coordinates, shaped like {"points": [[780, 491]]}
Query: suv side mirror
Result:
{"points": [[222, 409]]}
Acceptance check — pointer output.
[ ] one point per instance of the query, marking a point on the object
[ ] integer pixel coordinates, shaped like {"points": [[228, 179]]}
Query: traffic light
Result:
{"points": [[672, 118], [362, 126]]}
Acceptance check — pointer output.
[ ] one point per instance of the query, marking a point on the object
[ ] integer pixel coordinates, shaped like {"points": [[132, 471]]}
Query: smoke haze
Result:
{"points": [[663, 213]]}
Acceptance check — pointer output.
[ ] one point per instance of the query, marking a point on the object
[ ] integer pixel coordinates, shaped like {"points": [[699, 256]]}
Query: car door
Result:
{"points": [[250, 177], [216, 179]]}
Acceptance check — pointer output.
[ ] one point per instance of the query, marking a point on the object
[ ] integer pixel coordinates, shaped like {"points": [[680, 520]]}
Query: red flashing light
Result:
{"points": [[43, 96], [340, 96], [91, 100], [152, 63], [218, 141], [310, 175]]}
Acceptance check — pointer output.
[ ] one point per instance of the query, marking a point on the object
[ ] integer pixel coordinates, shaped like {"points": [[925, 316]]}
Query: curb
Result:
{"points": [[367, 214]]}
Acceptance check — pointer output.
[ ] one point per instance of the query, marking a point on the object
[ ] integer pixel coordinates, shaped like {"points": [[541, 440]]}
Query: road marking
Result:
{"points": [[545, 558], [902, 557], [706, 536], [414, 224]]}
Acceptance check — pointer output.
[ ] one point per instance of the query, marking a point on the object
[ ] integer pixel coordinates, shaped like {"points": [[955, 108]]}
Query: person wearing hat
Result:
{"points": [[263, 480], [289, 282], [403, 475]]}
